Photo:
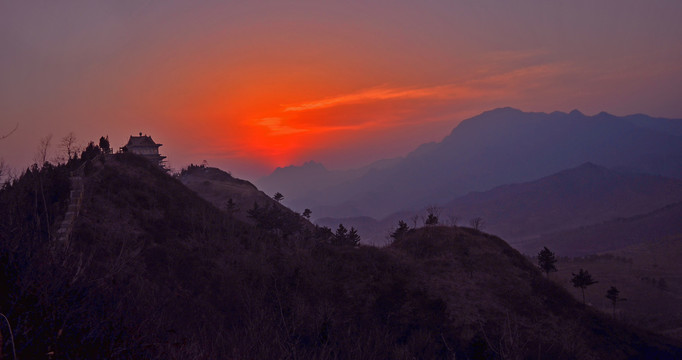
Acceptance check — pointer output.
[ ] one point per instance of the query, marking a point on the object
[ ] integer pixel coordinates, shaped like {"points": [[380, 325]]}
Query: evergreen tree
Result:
{"points": [[614, 295], [353, 237], [231, 207], [582, 280], [400, 231], [306, 213], [343, 237], [546, 261], [278, 197]]}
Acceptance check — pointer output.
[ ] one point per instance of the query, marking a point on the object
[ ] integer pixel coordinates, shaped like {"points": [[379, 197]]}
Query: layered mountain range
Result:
{"points": [[497, 147]]}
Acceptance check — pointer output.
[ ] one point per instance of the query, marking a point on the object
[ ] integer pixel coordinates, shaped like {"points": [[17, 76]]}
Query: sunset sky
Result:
{"points": [[252, 85]]}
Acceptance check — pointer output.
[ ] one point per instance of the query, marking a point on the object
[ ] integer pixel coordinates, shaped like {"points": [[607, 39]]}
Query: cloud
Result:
{"points": [[274, 124], [481, 86], [383, 93]]}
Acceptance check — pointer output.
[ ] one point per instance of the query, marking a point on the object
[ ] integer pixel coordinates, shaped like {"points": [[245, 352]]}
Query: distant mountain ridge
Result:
{"points": [[581, 196], [504, 146], [652, 227], [313, 177]]}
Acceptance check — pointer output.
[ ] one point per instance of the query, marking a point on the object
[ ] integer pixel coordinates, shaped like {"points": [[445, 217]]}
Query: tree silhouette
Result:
{"points": [[400, 231], [343, 237], [431, 220], [306, 213], [104, 144], [278, 197], [231, 207], [353, 237], [582, 280], [477, 223], [546, 261], [433, 214], [614, 295]]}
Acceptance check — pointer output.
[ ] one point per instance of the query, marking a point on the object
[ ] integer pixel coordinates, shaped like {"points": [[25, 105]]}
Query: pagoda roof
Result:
{"points": [[141, 141]]}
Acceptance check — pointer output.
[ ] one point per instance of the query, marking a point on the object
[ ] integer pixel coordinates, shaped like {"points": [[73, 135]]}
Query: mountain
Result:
{"points": [[312, 178], [612, 235], [152, 270], [579, 196], [506, 146]]}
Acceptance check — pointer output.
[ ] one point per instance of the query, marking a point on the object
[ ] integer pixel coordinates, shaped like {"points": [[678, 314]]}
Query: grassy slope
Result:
{"points": [[154, 271], [648, 275]]}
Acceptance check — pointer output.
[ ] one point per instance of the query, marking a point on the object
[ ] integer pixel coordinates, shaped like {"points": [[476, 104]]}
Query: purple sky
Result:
{"points": [[253, 85]]}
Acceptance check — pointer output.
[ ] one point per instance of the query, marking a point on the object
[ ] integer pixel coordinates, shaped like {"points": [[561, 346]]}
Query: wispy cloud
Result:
{"points": [[274, 124], [487, 85], [382, 93]]}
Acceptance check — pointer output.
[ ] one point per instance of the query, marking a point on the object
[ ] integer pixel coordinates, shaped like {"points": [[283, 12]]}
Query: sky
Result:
{"points": [[251, 85]]}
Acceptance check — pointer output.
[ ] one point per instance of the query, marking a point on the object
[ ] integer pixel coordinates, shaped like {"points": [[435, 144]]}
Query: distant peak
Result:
{"points": [[504, 110], [576, 112], [590, 165], [603, 114]]}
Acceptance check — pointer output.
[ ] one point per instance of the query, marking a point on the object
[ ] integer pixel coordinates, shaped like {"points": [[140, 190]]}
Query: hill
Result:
{"points": [[611, 235], [152, 270], [505, 146], [580, 196], [648, 275]]}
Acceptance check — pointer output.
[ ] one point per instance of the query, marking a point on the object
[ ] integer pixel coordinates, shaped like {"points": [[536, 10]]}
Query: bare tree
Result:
{"points": [[477, 223], [43, 150], [68, 145], [414, 219]]}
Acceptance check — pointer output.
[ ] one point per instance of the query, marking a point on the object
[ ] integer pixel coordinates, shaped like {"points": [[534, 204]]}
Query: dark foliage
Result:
{"points": [[153, 271], [547, 261]]}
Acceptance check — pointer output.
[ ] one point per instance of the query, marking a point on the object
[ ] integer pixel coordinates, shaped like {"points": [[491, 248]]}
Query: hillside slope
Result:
{"points": [[616, 234], [154, 271]]}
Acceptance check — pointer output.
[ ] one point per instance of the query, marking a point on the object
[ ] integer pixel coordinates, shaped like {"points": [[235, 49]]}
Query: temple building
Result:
{"points": [[145, 146]]}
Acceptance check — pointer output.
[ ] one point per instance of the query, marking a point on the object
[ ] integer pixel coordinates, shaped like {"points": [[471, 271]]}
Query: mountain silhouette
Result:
{"points": [[505, 146], [584, 195]]}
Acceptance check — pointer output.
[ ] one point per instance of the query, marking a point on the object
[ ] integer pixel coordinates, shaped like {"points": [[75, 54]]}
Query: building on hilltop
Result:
{"points": [[144, 145]]}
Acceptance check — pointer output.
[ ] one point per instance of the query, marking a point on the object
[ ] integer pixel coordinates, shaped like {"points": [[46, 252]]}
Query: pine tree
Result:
{"points": [[278, 197], [400, 231], [582, 280], [546, 261], [614, 295]]}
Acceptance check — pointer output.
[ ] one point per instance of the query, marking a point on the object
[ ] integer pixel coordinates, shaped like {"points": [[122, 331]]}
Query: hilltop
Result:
{"points": [[152, 270]]}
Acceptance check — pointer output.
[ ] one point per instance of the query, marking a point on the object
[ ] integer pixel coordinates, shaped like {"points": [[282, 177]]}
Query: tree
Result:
{"points": [[431, 220], [343, 237], [614, 295], [546, 261], [68, 144], [231, 207], [43, 150], [477, 223], [104, 144], [400, 231], [432, 217], [306, 213], [353, 237], [582, 280], [278, 197]]}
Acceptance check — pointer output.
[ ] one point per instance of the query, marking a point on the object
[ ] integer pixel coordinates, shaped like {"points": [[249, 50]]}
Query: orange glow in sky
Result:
{"points": [[254, 85]]}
